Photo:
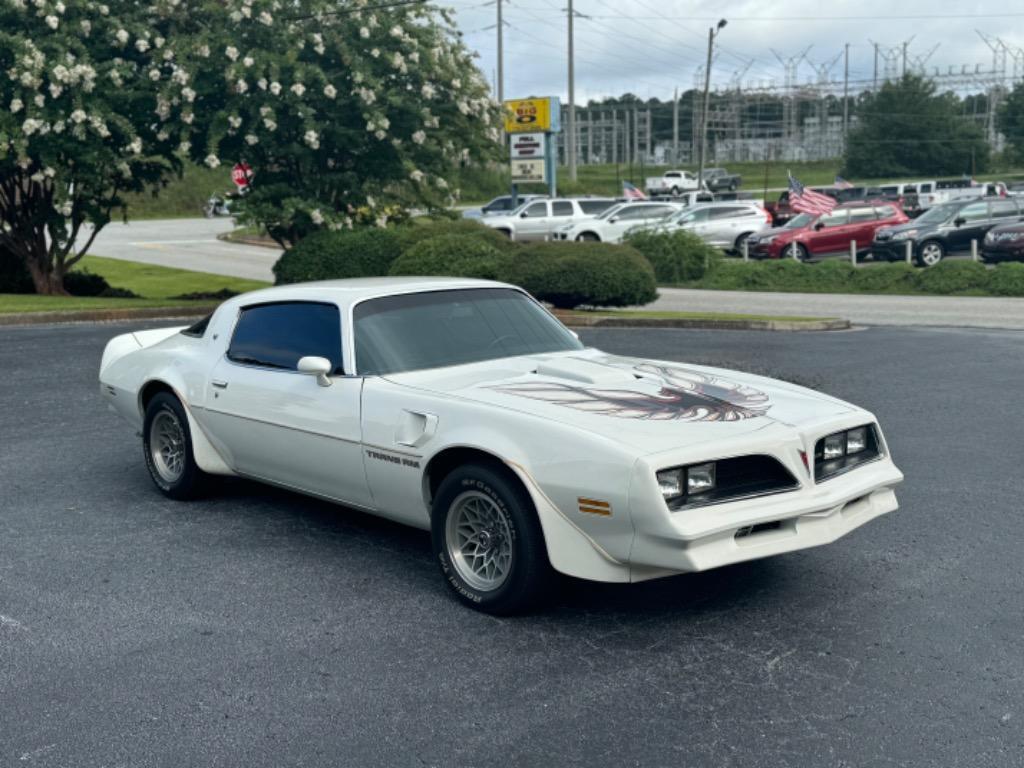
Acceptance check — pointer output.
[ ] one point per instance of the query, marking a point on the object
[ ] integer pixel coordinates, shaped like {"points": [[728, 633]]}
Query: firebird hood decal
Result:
{"points": [[684, 395]]}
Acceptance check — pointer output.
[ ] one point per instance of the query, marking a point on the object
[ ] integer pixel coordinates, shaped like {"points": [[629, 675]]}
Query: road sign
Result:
{"points": [[241, 174], [524, 146], [528, 115], [524, 171]]}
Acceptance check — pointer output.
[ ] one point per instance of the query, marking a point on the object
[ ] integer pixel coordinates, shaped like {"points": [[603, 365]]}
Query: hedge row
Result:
{"points": [[564, 274], [14, 278], [945, 278]]}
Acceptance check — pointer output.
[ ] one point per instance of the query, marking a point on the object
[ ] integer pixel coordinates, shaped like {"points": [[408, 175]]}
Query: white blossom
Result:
{"points": [[154, 74], [122, 36], [416, 176], [441, 183], [266, 18], [370, 201], [428, 91], [241, 86], [136, 146], [396, 31], [364, 33], [231, 52], [188, 95], [86, 26], [187, 118], [212, 161], [39, 100], [16, 106], [275, 88], [312, 139], [78, 116], [248, 61], [330, 91], [142, 45], [184, 147], [269, 124], [52, 22], [381, 135], [317, 217], [298, 89], [204, 51], [234, 121], [252, 139], [66, 209], [375, 53], [262, 83], [419, 137]]}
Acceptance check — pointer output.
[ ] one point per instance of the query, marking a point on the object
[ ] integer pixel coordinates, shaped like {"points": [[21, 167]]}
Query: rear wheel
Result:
{"points": [[796, 249], [506, 232], [930, 253], [732, 186], [738, 245], [488, 541], [675, 191], [167, 448]]}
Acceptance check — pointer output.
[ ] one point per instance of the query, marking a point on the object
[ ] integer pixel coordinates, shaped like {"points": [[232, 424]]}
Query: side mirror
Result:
{"points": [[523, 215], [317, 366], [818, 226], [959, 221], [613, 219]]}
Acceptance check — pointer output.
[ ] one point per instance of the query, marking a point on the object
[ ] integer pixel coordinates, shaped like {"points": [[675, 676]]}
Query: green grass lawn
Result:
{"points": [[708, 316], [157, 287]]}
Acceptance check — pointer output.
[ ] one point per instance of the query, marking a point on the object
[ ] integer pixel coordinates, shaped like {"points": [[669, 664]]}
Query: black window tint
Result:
{"points": [[594, 207], [277, 335], [727, 212], [924, 187], [198, 329], [1003, 208], [563, 208], [974, 212]]}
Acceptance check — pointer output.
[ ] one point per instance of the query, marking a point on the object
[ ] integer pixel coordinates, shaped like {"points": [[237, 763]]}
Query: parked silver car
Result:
{"points": [[724, 225], [538, 219]]}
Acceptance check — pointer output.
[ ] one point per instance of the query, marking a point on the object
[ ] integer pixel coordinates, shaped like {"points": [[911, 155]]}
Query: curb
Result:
{"points": [[259, 242], [107, 315], [606, 321]]}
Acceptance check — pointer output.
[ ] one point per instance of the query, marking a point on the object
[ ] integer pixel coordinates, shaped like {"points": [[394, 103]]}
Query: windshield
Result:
{"points": [[803, 220], [416, 331], [612, 211], [937, 214]]}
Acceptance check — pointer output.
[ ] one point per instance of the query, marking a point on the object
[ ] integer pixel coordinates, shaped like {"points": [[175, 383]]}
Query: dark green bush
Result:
{"points": [[81, 282], [1006, 280], [455, 255], [569, 275], [886, 278], [328, 255], [675, 256], [953, 277], [14, 278], [420, 229]]}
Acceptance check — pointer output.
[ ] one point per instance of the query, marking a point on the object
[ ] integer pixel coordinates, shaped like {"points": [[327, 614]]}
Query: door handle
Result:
{"points": [[219, 384]]}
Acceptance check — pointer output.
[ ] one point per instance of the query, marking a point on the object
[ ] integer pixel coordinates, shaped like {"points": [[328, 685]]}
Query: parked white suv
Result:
{"points": [[613, 224], [724, 225], [537, 220]]}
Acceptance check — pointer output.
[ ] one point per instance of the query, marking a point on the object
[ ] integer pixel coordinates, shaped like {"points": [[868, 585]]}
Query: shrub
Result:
{"points": [[675, 256], [420, 229], [1006, 280], [886, 278], [328, 255], [953, 277], [457, 255], [82, 282], [569, 275]]}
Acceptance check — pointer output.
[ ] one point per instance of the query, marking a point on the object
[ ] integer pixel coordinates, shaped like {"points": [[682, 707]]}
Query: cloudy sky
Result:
{"points": [[649, 47]]}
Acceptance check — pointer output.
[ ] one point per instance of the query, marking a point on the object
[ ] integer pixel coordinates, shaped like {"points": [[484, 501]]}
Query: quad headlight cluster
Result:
{"points": [[729, 479], [842, 451]]}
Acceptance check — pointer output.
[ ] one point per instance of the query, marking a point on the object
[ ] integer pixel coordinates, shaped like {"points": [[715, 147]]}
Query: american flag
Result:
{"points": [[842, 183], [632, 193], [804, 200]]}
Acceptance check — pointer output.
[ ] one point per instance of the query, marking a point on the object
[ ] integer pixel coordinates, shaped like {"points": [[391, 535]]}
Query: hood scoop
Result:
{"points": [[585, 371]]}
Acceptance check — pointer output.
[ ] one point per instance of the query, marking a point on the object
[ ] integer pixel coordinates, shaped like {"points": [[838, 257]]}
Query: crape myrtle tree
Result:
{"points": [[349, 113], [79, 127]]}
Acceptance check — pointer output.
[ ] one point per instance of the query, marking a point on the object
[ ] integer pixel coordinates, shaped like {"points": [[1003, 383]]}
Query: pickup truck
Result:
{"points": [[719, 179], [671, 183]]}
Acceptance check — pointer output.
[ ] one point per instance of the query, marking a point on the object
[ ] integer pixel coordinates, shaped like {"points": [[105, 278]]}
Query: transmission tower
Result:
{"points": [[790, 115]]}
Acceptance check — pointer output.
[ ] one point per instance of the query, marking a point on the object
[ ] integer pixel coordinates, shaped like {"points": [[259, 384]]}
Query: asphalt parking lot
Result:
{"points": [[261, 628]]}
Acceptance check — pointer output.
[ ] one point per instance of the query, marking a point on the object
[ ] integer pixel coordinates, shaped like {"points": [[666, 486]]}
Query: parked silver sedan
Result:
{"points": [[724, 225]]}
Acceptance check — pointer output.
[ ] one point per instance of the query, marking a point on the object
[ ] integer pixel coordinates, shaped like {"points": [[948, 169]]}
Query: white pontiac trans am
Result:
{"points": [[463, 407]]}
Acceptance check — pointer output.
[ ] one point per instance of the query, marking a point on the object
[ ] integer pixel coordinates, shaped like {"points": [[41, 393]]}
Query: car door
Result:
{"points": [[862, 226], [970, 223], [533, 222], [696, 221], [562, 212], [1003, 211], [724, 225], [632, 216], [277, 424], [829, 234]]}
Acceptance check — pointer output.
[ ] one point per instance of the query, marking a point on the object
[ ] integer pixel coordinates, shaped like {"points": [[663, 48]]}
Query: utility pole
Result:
{"points": [[675, 128], [704, 112], [903, 73], [846, 90], [571, 143], [874, 77], [501, 55]]}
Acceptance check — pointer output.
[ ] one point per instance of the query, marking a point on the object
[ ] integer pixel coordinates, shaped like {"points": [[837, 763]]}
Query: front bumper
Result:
{"points": [[1003, 254], [893, 249], [722, 534]]}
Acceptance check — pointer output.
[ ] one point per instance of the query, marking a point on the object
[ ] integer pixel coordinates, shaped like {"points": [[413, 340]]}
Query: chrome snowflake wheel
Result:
{"points": [[167, 446], [479, 541]]}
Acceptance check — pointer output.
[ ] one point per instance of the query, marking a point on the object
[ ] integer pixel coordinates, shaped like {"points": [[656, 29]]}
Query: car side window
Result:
{"points": [[974, 212], [924, 187], [536, 210], [834, 219], [885, 211], [858, 215], [1002, 209], [594, 207], [562, 208], [277, 335], [729, 212]]}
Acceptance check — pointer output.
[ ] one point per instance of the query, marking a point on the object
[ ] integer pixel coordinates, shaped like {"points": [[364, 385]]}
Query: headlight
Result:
{"points": [[713, 482], [700, 479], [990, 236], [670, 481], [680, 482], [906, 235], [842, 451]]}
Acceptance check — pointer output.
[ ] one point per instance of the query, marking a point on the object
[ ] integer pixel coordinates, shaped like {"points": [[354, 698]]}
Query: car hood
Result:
{"points": [[905, 227], [776, 232], [649, 405]]}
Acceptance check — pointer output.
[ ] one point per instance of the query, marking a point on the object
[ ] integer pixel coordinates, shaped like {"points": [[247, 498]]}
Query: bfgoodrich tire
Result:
{"points": [[488, 541], [167, 449]]}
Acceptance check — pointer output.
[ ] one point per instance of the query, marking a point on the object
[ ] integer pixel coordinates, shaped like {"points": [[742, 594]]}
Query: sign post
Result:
{"points": [[531, 125]]}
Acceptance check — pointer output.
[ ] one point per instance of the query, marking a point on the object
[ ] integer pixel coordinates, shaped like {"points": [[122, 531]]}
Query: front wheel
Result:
{"points": [[930, 253], [167, 448], [588, 237], [732, 186], [796, 250], [488, 541]]}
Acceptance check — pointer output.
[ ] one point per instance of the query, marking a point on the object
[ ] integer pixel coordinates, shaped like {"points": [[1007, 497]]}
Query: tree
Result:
{"points": [[1010, 121], [347, 114], [906, 128], [78, 88]]}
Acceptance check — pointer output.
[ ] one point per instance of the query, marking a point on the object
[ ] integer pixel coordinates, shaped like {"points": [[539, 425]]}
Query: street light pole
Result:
{"points": [[570, 143], [704, 112], [501, 56]]}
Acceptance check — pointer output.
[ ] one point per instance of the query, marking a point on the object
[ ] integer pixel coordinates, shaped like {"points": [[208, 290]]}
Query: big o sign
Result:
{"points": [[528, 115]]}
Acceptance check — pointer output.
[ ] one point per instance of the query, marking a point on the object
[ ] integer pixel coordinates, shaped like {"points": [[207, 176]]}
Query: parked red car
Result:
{"points": [[814, 237]]}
